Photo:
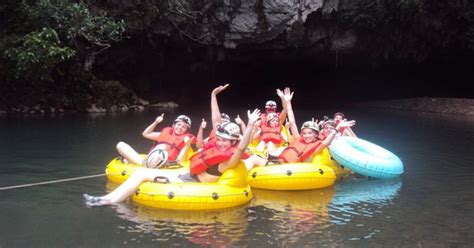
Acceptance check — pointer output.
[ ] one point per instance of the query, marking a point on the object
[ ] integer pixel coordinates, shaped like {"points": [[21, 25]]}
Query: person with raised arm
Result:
{"points": [[306, 144], [205, 166], [171, 143]]}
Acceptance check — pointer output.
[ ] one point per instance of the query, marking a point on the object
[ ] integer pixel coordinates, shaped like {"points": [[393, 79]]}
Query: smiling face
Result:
{"points": [[274, 122], [180, 128], [338, 118], [308, 135], [328, 127], [223, 144]]}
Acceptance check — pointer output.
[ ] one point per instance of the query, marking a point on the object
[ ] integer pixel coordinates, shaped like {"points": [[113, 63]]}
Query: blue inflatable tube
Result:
{"points": [[365, 158]]}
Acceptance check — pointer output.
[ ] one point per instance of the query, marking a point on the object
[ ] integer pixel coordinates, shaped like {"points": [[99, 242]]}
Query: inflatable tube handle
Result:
{"points": [[161, 179]]}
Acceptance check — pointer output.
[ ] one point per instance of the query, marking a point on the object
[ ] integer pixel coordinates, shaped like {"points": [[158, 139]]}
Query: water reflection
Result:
{"points": [[362, 197], [207, 228], [294, 214]]}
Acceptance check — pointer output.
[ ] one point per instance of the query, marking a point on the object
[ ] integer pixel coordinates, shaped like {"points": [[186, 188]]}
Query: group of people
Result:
{"points": [[226, 145]]}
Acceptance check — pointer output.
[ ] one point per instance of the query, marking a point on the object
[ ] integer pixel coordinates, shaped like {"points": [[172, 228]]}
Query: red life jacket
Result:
{"points": [[299, 151], [174, 143], [211, 156], [272, 134]]}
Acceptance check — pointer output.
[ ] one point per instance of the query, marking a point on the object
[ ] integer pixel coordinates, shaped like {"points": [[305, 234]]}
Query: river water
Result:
{"points": [[430, 205]]}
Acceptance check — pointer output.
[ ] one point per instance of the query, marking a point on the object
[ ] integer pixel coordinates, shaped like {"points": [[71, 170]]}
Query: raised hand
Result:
{"points": [[219, 89], [254, 116], [280, 93], [203, 124], [288, 95], [345, 123], [159, 119], [238, 120]]}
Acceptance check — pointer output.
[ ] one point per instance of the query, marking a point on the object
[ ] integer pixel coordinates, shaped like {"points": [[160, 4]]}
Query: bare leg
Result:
{"points": [[277, 151], [254, 161], [128, 188], [261, 146], [271, 147], [129, 153]]}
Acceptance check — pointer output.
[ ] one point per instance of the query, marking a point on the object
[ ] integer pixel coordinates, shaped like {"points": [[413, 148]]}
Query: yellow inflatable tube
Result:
{"points": [[324, 157], [291, 176], [118, 172], [231, 190]]}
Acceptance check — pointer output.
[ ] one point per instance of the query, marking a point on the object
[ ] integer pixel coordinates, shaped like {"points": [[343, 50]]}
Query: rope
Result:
{"points": [[50, 182]]}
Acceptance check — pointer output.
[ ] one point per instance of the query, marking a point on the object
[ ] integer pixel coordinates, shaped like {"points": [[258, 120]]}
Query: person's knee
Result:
{"points": [[121, 145]]}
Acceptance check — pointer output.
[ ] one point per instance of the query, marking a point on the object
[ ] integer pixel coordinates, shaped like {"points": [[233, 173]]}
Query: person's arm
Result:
{"points": [[291, 116], [200, 135], [215, 112], [327, 141], [149, 133], [349, 132], [284, 112], [255, 134], [240, 122], [182, 154], [244, 142]]}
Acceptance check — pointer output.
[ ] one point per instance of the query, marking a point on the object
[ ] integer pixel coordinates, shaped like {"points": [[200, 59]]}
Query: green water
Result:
{"points": [[429, 206]]}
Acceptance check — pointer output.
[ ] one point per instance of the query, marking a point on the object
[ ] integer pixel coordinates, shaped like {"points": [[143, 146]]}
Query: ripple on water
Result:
{"points": [[215, 228], [362, 197]]}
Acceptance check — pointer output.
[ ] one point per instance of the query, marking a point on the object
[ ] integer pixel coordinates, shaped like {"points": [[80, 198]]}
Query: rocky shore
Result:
{"points": [[457, 106], [139, 106]]}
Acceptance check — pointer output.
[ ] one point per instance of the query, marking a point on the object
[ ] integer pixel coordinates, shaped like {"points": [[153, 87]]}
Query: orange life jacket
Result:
{"points": [[209, 157], [299, 151], [174, 143], [272, 134]]}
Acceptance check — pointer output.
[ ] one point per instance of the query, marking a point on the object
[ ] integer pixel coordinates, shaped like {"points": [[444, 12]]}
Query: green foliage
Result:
{"points": [[75, 23], [48, 49], [35, 55]]}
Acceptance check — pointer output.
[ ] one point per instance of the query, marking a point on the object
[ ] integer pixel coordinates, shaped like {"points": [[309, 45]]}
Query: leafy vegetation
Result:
{"points": [[35, 55], [51, 45]]}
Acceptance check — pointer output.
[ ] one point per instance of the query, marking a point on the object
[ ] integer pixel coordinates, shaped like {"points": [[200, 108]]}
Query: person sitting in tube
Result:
{"points": [[205, 166], [271, 107], [172, 143], [270, 135], [338, 117], [217, 117], [305, 145]]}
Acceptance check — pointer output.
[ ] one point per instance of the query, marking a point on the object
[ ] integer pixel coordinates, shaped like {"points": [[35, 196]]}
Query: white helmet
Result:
{"points": [[156, 158], [183, 118], [228, 130], [271, 104], [272, 116], [311, 125]]}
